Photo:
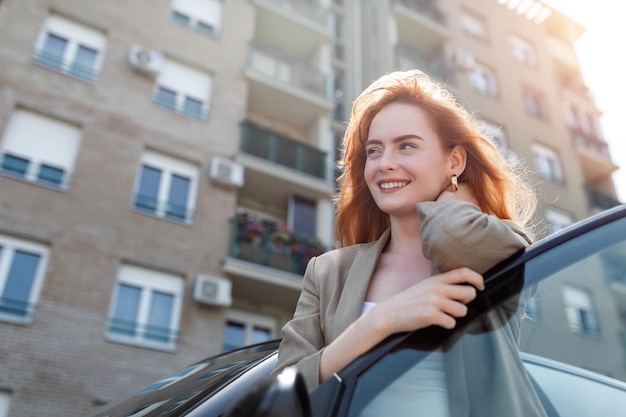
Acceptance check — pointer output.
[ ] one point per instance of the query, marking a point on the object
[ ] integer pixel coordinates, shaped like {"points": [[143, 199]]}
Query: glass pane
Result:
{"points": [[15, 165], [260, 334], [50, 175], [19, 283], [180, 18], [234, 336], [84, 64], [208, 29], [159, 317], [287, 153], [124, 320], [178, 196], [53, 51], [147, 195], [193, 108], [165, 98], [304, 216]]}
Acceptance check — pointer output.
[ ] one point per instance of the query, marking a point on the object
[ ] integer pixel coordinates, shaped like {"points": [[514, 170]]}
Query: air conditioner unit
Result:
{"points": [[212, 290], [146, 61], [226, 172]]}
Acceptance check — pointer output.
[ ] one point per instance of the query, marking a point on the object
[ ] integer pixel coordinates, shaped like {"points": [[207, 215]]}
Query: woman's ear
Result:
{"points": [[458, 160]]}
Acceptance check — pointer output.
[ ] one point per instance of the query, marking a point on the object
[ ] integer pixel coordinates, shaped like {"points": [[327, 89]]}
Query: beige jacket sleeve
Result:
{"points": [[457, 234]]}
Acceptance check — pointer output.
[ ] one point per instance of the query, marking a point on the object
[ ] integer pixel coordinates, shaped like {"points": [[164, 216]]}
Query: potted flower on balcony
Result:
{"points": [[281, 239], [254, 232]]}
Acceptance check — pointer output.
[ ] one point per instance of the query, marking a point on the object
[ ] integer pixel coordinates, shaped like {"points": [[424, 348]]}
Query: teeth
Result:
{"points": [[390, 185]]}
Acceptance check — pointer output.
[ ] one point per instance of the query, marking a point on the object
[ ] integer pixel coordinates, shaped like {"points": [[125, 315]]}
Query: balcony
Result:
{"points": [[594, 156], [297, 91], [306, 22], [421, 23], [267, 261], [599, 200], [433, 65], [283, 150]]}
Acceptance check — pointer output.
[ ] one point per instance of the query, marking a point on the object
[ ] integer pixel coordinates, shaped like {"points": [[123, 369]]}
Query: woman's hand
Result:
{"points": [[438, 300]]}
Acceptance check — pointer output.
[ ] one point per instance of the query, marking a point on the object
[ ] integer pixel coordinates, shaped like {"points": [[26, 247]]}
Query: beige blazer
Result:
{"points": [[454, 234]]}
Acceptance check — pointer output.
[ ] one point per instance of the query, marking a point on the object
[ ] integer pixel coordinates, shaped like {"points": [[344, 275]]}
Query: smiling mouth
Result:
{"points": [[391, 185]]}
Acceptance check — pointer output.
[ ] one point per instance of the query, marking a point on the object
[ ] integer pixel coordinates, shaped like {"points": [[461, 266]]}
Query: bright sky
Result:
{"points": [[600, 51]]}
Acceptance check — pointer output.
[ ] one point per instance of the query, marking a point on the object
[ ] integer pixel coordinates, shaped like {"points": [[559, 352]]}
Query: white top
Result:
{"points": [[420, 391]]}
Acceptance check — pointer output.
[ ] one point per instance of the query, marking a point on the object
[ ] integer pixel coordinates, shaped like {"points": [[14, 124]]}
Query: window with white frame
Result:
{"points": [[22, 270], [535, 103], [243, 328], [70, 47], [580, 312], [146, 308], [474, 25], [5, 404], [183, 89], [522, 51], [166, 187], [39, 148], [483, 80], [557, 220], [202, 15], [496, 134], [548, 163]]}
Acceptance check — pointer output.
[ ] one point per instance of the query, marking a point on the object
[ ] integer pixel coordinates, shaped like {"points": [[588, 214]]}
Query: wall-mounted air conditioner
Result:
{"points": [[146, 61], [226, 172], [212, 290]]}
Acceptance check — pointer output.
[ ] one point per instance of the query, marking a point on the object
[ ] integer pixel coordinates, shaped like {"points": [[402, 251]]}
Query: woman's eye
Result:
{"points": [[371, 151], [407, 145]]}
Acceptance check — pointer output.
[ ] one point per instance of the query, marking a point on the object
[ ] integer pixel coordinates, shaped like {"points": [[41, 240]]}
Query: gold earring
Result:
{"points": [[454, 183]]}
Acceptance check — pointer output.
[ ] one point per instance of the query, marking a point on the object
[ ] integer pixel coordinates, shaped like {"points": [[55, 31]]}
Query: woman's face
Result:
{"points": [[406, 163]]}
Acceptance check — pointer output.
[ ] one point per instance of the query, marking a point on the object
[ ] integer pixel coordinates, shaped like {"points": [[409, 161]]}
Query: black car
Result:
{"points": [[572, 347]]}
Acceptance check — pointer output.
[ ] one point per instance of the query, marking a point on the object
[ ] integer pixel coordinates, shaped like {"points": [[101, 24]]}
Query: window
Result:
{"points": [[557, 220], [183, 89], [39, 149], [202, 15], [70, 47], [244, 329], [496, 135], [548, 163], [535, 104], [146, 308], [578, 119], [5, 404], [22, 271], [474, 26], [580, 312], [302, 216], [339, 40], [166, 187], [522, 51], [483, 80]]}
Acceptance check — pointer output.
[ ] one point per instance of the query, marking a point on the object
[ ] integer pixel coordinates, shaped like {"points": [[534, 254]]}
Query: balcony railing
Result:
{"points": [[21, 309], [598, 199], [308, 9], [282, 150], [172, 211], [134, 331], [286, 69], [591, 143], [409, 57], [267, 244], [57, 62], [25, 169], [426, 8]]}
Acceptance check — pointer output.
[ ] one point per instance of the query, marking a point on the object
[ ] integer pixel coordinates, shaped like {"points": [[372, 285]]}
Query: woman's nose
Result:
{"points": [[387, 161]]}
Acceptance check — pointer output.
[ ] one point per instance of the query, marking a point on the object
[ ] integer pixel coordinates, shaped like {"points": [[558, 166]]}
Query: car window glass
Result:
{"points": [[569, 310]]}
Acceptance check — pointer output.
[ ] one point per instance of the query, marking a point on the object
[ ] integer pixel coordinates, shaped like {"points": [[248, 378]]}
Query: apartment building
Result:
{"points": [[167, 167]]}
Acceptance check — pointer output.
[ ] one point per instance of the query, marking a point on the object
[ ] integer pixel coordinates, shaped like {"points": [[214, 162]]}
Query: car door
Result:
{"points": [[563, 299]]}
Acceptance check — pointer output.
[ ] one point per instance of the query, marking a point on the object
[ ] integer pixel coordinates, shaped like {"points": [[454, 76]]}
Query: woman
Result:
{"points": [[426, 204]]}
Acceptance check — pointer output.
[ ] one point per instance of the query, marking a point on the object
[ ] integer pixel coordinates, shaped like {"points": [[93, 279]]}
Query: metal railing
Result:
{"points": [[166, 209], [57, 62]]}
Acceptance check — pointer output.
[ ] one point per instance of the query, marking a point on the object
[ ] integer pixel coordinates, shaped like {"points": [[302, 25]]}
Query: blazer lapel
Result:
{"points": [[356, 284]]}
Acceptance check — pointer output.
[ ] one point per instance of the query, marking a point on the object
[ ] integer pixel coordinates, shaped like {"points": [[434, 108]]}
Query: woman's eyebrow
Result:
{"points": [[396, 139]]}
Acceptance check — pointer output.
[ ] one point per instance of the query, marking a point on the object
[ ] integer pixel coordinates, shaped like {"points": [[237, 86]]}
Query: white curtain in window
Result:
{"points": [[41, 139], [205, 11], [185, 80]]}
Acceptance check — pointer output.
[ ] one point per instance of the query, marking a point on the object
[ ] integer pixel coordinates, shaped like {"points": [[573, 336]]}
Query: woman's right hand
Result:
{"points": [[438, 300]]}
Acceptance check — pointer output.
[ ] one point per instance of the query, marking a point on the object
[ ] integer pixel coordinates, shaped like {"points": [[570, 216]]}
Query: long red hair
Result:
{"points": [[497, 184]]}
